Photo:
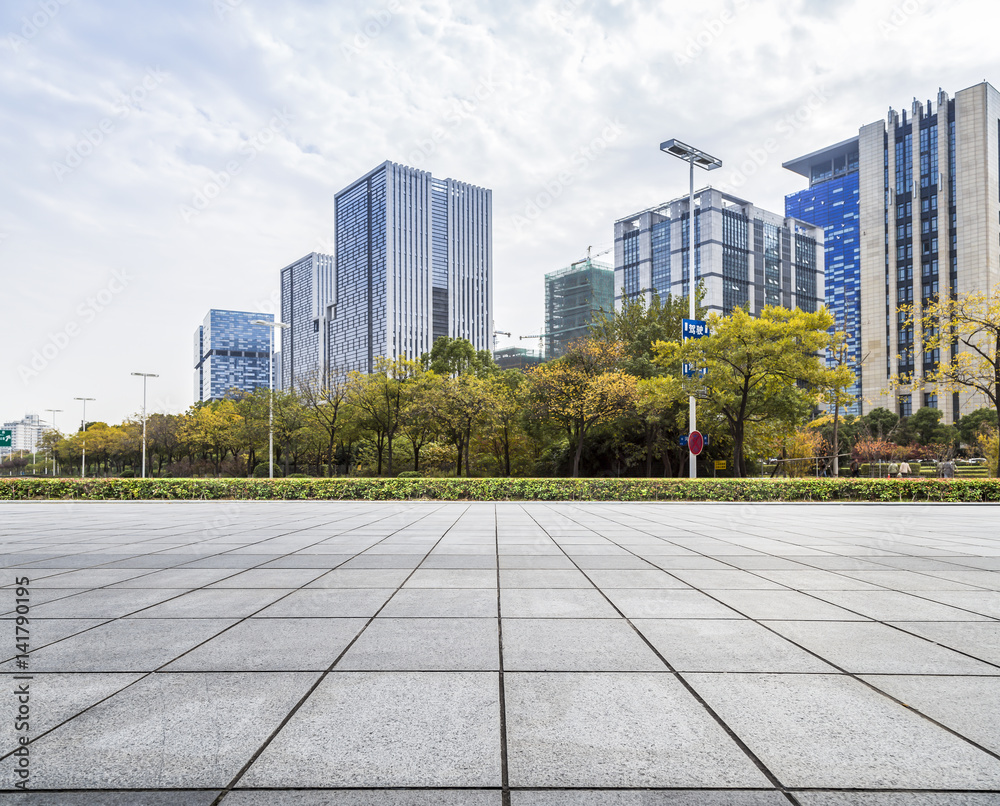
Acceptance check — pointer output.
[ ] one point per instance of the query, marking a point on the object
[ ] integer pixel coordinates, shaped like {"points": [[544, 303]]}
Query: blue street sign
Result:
{"points": [[694, 328], [684, 440], [689, 371]]}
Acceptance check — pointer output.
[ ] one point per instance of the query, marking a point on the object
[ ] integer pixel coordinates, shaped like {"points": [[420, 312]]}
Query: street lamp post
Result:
{"points": [[693, 157], [53, 412], [144, 375], [270, 385], [83, 459]]}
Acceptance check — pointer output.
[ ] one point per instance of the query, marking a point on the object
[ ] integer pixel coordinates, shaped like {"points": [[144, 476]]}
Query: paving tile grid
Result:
{"points": [[422, 652]]}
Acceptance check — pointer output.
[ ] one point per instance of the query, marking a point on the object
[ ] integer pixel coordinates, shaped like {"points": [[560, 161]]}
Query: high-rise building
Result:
{"points": [[832, 202], [308, 293], [25, 434], [574, 299], [745, 256], [517, 358], [230, 354], [414, 261], [929, 222]]}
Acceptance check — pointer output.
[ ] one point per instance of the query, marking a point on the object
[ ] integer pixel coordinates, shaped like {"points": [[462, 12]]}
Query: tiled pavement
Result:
{"points": [[531, 654]]}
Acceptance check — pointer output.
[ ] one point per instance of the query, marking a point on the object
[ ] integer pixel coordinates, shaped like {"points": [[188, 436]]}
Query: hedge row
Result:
{"points": [[503, 489]]}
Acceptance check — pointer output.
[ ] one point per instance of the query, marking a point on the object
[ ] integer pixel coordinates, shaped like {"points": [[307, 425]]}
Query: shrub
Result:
{"points": [[127, 474], [410, 474], [261, 471]]}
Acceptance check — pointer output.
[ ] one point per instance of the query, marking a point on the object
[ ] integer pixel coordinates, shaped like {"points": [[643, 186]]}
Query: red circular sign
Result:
{"points": [[696, 442]]}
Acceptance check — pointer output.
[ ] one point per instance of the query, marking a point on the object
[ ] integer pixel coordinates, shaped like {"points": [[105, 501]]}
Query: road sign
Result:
{"points": [[5, 437], [694, 328], [696, 442], [720, 464], [683, 440]]}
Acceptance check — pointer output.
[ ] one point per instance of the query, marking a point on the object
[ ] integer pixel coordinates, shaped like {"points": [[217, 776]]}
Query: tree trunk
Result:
{"points": [[836, 440], [506, 451], [649, 451], [579, 453]]}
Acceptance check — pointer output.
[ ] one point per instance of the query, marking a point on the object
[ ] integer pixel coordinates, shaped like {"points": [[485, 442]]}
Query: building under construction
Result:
{"points": [[574, 298]]}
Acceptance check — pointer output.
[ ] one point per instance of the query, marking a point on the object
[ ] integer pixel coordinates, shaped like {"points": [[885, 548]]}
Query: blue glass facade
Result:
{"points": [[231, 354], [832, 203]]}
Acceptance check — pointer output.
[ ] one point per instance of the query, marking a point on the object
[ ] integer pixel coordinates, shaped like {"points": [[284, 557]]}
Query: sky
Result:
{"points": [[160, 159]]}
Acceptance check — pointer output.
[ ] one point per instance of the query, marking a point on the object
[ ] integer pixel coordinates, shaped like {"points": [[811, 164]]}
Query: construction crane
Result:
{"points": [[499, 333], [602, 252]]}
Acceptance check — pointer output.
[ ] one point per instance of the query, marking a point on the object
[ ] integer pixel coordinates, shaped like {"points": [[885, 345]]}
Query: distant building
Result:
{"points": [[414, 261], [574, 299], [832, 202], [25, 434], [308, 294], [230, 354], [745, 256], [517, 358]]}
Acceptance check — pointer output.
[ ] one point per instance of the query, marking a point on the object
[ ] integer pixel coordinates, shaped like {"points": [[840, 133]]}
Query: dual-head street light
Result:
{"points": [[144, 375], [692, 156], [270, 384], [83, 459]]}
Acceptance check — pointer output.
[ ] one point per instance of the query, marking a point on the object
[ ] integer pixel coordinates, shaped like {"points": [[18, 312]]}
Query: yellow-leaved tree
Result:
{"points": [[582, 389]]}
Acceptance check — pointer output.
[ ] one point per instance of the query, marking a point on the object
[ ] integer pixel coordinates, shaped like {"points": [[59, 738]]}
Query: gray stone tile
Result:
{"points": [[723, 645], [269, 578], [591, 645], [536, 562], [726, 580], [520, 578], [611, 578], [168, 730], [300, 560], [389, 729], [408, 561], [652, 603], [897, 799], [366, 797], [46, 631], [273, 644], [54, 698], [986, 603], [867, 647], [189, 578], [361, 578], [104, 603], [624, 562], [88, 578], [810, 579], [178, 797], [216, 603], [908, 580], [626, 797], [451, 578], [829, 731], [127, 645], [444, 560], [443, 602], [981, 639], [554, 603], [784, 605], [968, 705], [895, 606], [329, 603], [616, 730], [425, 644]]}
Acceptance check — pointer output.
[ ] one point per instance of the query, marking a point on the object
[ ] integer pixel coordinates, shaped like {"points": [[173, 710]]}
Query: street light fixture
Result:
{"points": [[144, 375], [693, 157], [83, 460], [270, 385], [53, 412]]}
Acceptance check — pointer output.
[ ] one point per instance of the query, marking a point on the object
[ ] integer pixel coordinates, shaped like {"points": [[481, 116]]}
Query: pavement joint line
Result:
{"points": [[854, 676], [737, 740], [323, 675], [504, 769], [158, 670]]}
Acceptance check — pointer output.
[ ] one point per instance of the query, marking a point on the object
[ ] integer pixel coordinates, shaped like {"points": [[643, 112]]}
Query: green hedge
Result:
{"points": [[502, 489]]}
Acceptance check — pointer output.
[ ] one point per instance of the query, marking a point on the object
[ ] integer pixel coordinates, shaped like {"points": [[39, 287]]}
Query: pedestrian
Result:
{"points": [[893, 469], [948, 469], [855, 468], [904, 469]]}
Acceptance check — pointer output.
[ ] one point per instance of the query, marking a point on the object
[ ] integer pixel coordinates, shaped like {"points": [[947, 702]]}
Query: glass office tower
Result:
{"points": [[574, 299], [308, 292], [230, 354], [832, 202], [414, 261]]}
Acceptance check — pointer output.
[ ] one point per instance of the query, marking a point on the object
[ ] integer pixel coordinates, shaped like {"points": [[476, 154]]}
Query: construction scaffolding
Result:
{"points": [[574, 299]]}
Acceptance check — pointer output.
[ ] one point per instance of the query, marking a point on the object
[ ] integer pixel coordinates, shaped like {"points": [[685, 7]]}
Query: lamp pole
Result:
{"points": [[144, 375], [53, 412], [83, 460], [692, 156], [270, 385]]}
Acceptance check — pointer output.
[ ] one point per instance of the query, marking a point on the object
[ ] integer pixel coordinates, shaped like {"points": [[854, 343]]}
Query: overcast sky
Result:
{"points": [[163, 158]]}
